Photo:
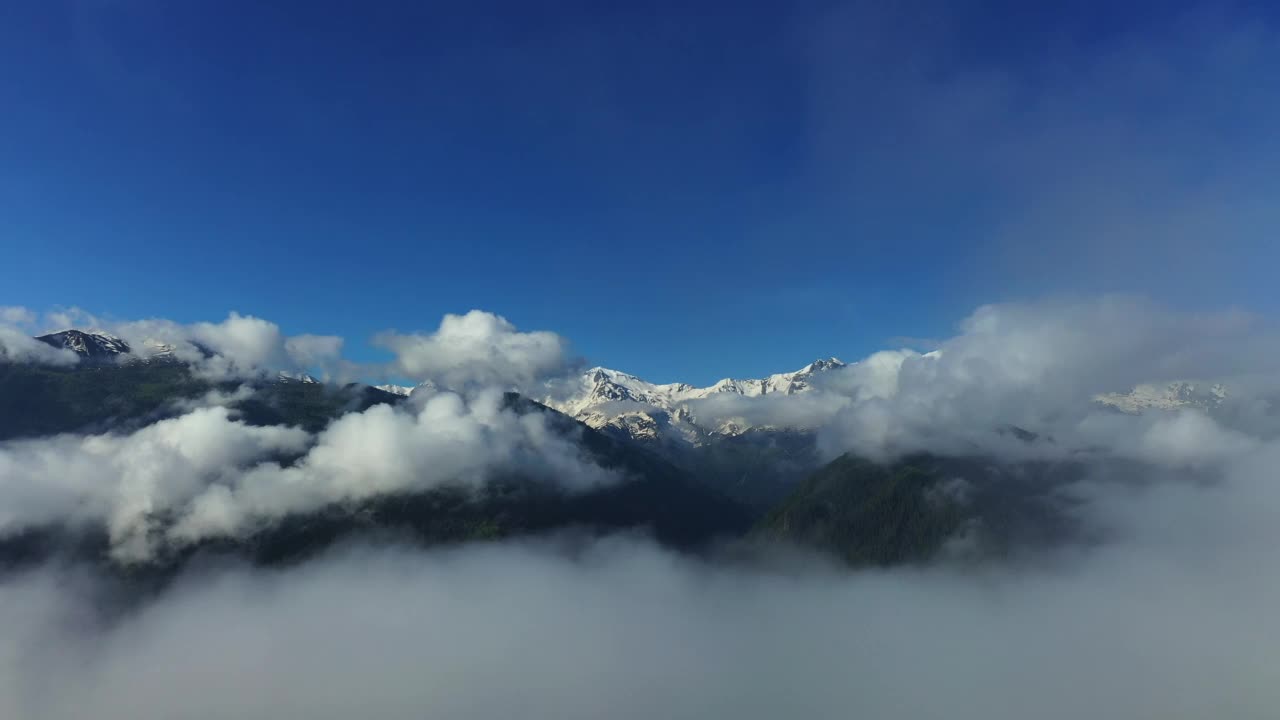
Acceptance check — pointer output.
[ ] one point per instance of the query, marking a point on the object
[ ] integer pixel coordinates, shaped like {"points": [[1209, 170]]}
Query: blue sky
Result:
{"points": [[686, 193]]}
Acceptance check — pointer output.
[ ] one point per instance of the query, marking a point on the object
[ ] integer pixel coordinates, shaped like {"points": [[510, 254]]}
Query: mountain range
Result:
{"points": [[628, 406], [690, 481]]}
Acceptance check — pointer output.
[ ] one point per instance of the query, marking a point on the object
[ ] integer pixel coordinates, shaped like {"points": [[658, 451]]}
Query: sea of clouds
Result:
{"points": [[1168, 615]]}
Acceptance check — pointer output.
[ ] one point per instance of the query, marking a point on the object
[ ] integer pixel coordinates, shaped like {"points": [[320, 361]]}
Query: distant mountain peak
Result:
{"points": [[89, 345], [604, 398], [407, 390], [821, 364], [297, 377]]}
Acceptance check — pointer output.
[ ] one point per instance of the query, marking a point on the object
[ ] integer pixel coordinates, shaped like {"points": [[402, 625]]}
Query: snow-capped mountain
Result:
{"points": [[95, 346], [607, 399], [297, 377], [426, 386], [1173, 396]]}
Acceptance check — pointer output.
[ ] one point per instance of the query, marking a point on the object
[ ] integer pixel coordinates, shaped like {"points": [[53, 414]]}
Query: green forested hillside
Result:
{"points": [[908, 510], [867, 513]]}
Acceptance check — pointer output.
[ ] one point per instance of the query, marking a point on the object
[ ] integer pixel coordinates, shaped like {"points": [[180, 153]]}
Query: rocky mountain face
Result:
{"points": [[755, 465]]}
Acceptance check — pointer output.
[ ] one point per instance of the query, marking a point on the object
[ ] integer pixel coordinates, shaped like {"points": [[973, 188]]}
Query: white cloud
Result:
{"points": [[205, 474], [69, 318], [1036, 366], [17, 346], [126, 482], [1165, 615], [314, 350], [240, 346], [622, 629], [477, 348], [16, 316], [466, 352], [386, 450]]}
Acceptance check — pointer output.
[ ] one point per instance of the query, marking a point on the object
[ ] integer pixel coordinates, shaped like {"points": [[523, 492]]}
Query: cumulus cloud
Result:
{"points": [[239, 346], [477, 349], [206, 474]]}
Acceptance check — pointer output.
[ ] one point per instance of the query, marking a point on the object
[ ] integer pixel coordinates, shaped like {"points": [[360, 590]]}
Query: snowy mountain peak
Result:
{"points": [[97, 346], [610, 399], [830, 363], [407, 390], [297, 377]]}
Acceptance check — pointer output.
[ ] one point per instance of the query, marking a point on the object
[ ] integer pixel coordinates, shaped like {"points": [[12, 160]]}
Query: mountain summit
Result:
{"points": [[94, 346]]}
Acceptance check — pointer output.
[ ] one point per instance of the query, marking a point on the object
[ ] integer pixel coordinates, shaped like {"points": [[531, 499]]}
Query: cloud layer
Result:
{"points": [[1171, 623], [1166, 613]]}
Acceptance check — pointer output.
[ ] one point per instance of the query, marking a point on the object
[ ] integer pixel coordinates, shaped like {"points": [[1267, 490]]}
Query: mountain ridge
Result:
{"points": [[93, 345], [616, 401]]}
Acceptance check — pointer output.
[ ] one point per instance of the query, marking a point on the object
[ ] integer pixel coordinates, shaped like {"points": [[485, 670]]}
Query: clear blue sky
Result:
{"points": [[685, 193]]}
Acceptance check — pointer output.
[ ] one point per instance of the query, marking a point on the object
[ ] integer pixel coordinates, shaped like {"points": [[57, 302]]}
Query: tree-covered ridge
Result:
{"points": [[867, 513], [911, 509]]}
